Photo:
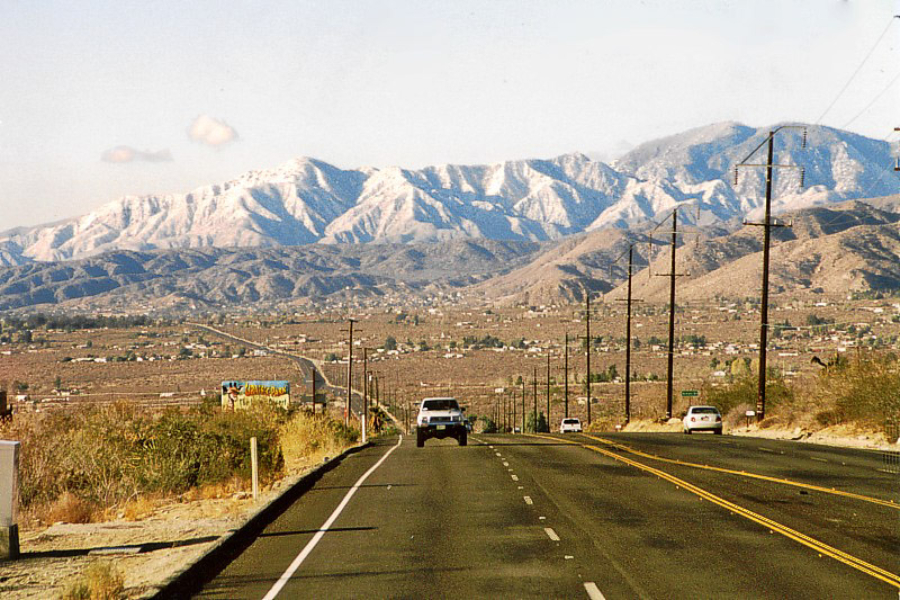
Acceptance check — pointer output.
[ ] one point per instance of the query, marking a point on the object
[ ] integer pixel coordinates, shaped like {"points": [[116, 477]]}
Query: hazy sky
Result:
{"points": [[100, 99]]}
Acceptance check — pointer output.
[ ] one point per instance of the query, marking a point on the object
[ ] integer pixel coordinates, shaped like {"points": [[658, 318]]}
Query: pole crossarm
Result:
{"points": [[767, 225]]}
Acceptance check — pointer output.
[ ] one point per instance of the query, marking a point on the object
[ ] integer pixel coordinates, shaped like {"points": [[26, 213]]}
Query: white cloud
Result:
{"points": [[127, 154], [211, 131]]}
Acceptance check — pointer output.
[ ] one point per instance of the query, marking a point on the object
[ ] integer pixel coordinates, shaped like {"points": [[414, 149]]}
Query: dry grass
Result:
{"points": [[307, 439], [101, 581], [68, 508]]}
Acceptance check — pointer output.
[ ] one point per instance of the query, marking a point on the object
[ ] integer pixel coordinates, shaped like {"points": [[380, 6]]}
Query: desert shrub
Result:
{"points": [[85, 459], [743, 391], [865, 390], [101, 581]]}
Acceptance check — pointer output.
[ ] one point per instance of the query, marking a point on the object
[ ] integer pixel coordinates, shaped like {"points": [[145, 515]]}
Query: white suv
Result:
{"points": [[441, 418]]}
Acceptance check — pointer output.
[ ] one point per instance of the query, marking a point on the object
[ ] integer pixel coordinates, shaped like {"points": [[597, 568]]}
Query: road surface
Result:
{"points": [[584, 516]]}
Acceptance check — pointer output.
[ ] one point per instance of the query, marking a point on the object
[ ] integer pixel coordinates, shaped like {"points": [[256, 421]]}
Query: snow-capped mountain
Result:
{"points": [[308, 201]]}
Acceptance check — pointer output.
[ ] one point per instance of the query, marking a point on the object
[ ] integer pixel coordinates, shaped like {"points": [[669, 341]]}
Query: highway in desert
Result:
{"points": [[583, 516]]}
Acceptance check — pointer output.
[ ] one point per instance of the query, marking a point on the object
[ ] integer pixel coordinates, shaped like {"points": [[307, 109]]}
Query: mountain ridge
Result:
{"points": [[308, 201]]}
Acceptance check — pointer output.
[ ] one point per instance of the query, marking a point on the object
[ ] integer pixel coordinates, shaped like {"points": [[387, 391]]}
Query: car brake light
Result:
{"points": [[718, 419], [693, 419]]}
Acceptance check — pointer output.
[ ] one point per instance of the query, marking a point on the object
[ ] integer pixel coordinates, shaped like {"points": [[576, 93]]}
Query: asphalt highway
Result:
{"points": [[584, 516]]}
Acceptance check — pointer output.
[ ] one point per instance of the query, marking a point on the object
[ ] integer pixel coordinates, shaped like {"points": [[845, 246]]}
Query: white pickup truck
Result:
{"points": [[441, 418]]}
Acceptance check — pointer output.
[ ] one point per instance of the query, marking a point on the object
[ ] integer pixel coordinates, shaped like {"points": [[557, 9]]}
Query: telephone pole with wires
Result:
{"points": [[347, 408], [587, 351], [672, 274], [767, 226], [628, 300]]}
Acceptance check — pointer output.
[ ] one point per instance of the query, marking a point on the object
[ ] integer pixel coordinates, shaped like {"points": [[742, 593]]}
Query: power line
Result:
{"points": [[858, 69], [874, 100]]}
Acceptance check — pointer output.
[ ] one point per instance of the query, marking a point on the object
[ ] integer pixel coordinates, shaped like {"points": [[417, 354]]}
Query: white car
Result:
{"points": [[570, 425], [702, 418]]}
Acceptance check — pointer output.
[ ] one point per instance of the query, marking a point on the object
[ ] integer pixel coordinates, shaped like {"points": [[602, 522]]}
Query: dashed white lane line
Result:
{"points": [[593, 591], [515, 477], [528, 500], [765, 449], [505, 464], [551, 534], [825, 460], [498, 454], [286, 576]]}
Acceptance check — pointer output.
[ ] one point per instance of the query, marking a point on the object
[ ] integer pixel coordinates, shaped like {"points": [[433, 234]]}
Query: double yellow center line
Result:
{"points": [[820, 547], [807, 486]]}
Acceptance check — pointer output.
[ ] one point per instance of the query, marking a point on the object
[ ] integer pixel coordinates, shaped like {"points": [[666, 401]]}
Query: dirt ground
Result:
{"points": [[150, 551], [145, 552]]}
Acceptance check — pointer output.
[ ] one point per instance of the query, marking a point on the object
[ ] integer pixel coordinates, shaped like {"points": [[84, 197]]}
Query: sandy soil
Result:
{"points": [[149, 551]]}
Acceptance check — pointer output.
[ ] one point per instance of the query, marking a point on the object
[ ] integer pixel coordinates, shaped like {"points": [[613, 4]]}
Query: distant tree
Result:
{"points": [[488, 425], [536, 427]]}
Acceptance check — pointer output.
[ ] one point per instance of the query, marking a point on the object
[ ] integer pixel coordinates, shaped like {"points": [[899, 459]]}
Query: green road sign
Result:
{"points": [[689, 393]]}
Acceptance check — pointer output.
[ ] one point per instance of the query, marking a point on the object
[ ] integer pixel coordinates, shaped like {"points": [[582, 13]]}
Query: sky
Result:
{"points": [[105, 98]]}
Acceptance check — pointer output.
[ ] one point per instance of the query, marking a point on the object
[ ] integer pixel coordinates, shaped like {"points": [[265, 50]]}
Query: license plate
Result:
{"points": [[441, 427], [705, 419]]}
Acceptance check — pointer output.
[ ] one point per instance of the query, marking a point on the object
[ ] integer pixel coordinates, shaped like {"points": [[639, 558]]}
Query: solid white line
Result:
{"points": [[593, 591], [818, 459], [282, 581], [765, 449], [551, 534]]}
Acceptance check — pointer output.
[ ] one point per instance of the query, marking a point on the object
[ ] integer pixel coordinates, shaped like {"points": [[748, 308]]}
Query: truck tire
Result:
{"points": [[464, 439], [420, 439]]}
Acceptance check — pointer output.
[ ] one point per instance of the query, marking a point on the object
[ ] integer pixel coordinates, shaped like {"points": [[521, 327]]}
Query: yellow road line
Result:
{"points": [[820, 547], [824, 490]]}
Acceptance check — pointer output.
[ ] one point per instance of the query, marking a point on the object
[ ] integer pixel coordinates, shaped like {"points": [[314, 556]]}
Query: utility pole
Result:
{"points": [[628, 343], [314, 391], [349, 377], [523, 405], [587, 351], [548, 390], [767, 225], [566, 377], [365, 413], [670, 375], [512, 401], [534, 397]]}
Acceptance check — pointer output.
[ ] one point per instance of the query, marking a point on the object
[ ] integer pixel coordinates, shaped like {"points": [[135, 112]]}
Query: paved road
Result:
{"points": [[580, 517]]}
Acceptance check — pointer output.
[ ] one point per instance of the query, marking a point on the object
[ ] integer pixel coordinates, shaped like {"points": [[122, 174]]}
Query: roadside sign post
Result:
{"points": [[9, 493]]}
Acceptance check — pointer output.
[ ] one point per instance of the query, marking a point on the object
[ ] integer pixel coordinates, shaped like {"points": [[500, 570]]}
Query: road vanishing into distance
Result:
{"points": [[583, 516]]}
